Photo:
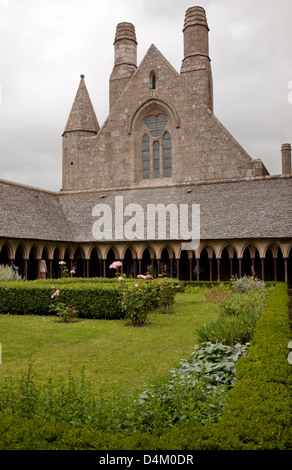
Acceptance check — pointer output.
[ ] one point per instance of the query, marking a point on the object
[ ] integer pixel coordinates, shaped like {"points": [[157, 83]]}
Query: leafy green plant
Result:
{"points": [[238, 315], [67, 313], [247, 283], [8, 274], [196, 389], [218, 294], [136, 302], [146, 294], [167, 290]]}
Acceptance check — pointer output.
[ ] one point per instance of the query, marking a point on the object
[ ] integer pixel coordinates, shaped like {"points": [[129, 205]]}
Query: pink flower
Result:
{"points": [[62, 262], [115, 265], [53, 296], [53, 287], [136, 285], [57, 292], [121, 278], [72, 271]]}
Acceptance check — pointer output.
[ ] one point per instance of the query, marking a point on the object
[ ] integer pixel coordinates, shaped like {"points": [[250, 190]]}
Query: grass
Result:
{"points": [[114, 354]]}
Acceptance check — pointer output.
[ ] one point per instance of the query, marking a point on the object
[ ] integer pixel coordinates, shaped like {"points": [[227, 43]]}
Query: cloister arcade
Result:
{"points": [[272, 260]]}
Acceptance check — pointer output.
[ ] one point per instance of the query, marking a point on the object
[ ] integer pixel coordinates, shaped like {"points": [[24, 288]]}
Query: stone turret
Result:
{"points": [[125, 60], [82, 122], [196, 67]]}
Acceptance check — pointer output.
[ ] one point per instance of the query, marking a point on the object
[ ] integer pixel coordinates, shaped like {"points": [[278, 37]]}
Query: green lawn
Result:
{"points": [[114, 354]]}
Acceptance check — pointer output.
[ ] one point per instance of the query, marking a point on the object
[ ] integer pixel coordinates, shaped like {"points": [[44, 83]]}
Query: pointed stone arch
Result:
{"points": [[94, 265], [33, 261], [111, 256], [6, 253], [140, 113], [251, 257]]}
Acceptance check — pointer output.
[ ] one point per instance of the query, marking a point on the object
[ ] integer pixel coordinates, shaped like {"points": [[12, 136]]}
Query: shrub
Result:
{"points": [[136, 302], [8, 274], [92, 300], [67, 313], [166, 290]]}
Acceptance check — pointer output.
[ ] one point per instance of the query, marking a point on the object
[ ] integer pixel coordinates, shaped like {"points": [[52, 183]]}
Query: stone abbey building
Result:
{"points": [[161, 146]]}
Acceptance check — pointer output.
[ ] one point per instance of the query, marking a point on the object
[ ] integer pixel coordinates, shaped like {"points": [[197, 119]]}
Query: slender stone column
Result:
{"points": [[104, 267], [158, 267], [50, 270], [263, 268], [210, 269], [286, 269], [275, 269], [231, 267], [191, 268], [135, 268], [177, 268], [198, 269], [87, 267], [218, 268], [25, 268], [239, 266]]}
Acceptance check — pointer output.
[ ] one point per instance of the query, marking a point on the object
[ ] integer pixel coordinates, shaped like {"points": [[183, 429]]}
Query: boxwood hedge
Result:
{"points": [[92, 299]]}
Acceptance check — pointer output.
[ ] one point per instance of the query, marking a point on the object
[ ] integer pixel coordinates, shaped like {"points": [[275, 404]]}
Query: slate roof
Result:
{"points": [[30, 213], [235, 209]]}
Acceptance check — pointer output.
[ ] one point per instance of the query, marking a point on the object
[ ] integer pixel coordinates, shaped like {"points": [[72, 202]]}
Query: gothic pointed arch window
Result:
{"points": [[156, 148]]}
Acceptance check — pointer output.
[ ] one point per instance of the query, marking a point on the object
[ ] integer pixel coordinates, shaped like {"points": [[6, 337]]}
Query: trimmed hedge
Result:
{"points": [[92, 299], [257, 413]]}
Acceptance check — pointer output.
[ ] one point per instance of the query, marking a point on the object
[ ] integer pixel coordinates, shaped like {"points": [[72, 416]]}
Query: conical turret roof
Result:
{"points": [[82, 116]]}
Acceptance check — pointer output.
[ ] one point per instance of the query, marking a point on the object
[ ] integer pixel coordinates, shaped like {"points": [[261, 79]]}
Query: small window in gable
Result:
{"points": [[153, 80]]}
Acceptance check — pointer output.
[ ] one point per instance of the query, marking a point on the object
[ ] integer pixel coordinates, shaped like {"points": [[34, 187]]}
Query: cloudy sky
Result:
{"points": [[46, 44]]}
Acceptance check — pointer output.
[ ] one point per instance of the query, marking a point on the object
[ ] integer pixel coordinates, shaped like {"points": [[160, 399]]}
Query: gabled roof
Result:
{"points": [[82, 116], [157, 60], [239, 209]]}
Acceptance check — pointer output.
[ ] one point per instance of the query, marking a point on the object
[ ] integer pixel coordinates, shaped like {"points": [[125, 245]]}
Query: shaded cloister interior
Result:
{"points": [[210, 262]]}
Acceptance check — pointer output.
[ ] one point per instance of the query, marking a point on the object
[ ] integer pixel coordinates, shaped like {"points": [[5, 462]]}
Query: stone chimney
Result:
{"points": [[196, 67], [286, 159], [125, 60]]}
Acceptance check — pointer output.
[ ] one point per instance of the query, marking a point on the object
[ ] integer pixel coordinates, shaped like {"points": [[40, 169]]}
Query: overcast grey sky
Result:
{"points": [[46, 44]]}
